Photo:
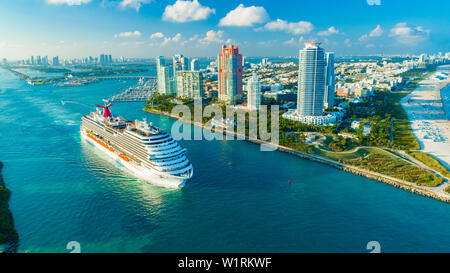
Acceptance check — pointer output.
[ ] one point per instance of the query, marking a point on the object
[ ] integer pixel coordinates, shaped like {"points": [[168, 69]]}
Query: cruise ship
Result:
{"points": [[147, 151]]}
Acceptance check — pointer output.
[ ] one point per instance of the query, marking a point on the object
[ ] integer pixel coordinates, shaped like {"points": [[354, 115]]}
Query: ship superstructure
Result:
{"points": [[148, 151]]}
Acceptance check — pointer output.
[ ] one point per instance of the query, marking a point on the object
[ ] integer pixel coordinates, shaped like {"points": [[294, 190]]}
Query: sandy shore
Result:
{"points": [[428, 120]]}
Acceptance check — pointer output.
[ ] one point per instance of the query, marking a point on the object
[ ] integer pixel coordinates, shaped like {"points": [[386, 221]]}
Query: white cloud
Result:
{"points": [[186, 11], [157, 35], [135, 34], [297, 42], [363, 38], [192, 39], [408, 35], [212, 37], [377, 32], [245, 16], [374, 2], [135, 4], [348, 42], [301, 27], [370, 46], [330, 31], [67, 2], [174, 39]]}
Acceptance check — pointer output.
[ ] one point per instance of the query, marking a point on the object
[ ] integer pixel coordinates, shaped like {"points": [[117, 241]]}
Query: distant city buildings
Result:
{"points": [[253, 93], [189, 84], [55, 61], [105, 59], [229, 64], [195, 65]]}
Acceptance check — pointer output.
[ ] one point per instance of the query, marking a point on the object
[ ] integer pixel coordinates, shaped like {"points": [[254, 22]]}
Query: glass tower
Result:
{"points": [[330, 80], [253, 93], [311, 80]]}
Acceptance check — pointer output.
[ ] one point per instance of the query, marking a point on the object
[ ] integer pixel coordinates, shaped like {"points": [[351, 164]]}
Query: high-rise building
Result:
{"points": [[253, 93], [229, 64], [195, 66], [312, 86], [55, 60], [190, 84], [165, 83], [330, 81], [45, 60], [32, 60], [311, 80], [38, 60], [180, 63], [102, 58], [5, 62]]}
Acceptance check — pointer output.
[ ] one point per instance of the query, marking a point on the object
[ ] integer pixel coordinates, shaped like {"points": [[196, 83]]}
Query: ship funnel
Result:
{"points": [[106, 111]]}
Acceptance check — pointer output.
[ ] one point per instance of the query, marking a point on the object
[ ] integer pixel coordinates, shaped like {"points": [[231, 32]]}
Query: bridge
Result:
{"points": [[142, 92]]}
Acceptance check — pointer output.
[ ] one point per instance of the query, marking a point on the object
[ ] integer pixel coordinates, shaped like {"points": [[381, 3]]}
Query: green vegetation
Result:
{"points": [[447, 189], [7, 230], [340, 144], [106, 72], [417, 72], [339, 156], [387, 164], [431, 162], [47, 69]]}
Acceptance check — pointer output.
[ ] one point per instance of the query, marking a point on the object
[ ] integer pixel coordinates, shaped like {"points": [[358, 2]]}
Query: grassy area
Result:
{"points": [[447, 190], [385, 163], [431, 162], [403, 135], [7, 230], [339, 156]]}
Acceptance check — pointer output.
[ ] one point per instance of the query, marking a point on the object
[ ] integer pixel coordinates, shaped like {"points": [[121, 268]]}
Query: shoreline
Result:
{"points": [[404, 185], [8, 234], [425, 109]]}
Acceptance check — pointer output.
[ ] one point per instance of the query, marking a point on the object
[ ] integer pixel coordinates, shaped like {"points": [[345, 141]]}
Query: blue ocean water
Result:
{"points": [[445, 96], [239, 199]]}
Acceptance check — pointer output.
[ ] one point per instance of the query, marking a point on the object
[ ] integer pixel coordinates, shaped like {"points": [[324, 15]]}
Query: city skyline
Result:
{"points": [[145, 29]]}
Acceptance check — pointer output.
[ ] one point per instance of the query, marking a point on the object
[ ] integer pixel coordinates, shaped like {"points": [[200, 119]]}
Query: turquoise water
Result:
{"points": [[239, 199]]}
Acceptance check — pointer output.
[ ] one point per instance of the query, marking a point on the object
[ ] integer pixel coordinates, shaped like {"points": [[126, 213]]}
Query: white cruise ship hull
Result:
{"points": [[146, 174]]}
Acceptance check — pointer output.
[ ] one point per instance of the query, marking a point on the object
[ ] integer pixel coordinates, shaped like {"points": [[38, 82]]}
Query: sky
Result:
{"points": [[148, 28]]}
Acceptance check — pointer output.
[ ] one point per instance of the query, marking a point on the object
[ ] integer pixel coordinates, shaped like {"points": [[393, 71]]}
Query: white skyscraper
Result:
{"points": [[163, 75], [253, 93], [312, 86], [311, 80], [189, 84], [330, 81]]}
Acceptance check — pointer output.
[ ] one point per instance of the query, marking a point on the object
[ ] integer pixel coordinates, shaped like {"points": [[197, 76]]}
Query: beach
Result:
{"points": [[425, 109]]}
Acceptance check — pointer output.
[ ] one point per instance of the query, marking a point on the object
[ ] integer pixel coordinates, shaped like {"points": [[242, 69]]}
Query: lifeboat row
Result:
{"points": [[123, 157], [111, 149]]}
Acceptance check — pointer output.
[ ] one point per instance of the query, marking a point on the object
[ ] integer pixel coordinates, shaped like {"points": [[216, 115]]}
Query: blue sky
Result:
{"points": [[147, 28]]}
